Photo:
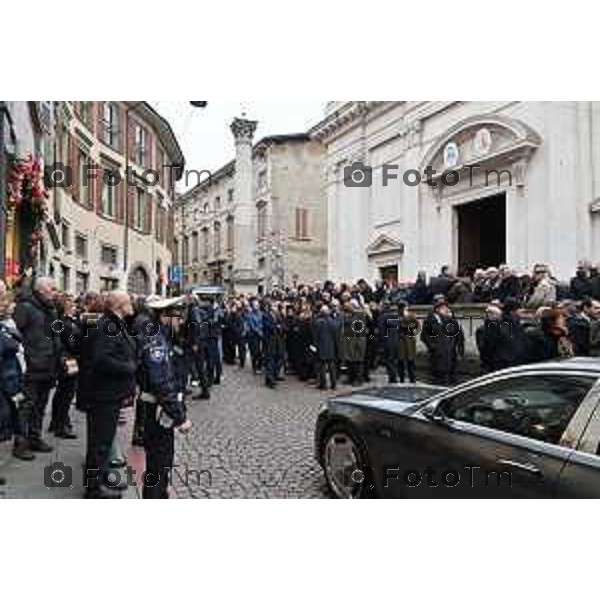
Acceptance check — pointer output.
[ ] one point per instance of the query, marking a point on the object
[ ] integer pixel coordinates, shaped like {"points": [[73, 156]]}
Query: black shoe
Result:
{"points": [[188, 393], [65, 434], [2, 481], [39, 445], [202, 396], [117, 463], [217, 381], [279, 378], [21, 450]]}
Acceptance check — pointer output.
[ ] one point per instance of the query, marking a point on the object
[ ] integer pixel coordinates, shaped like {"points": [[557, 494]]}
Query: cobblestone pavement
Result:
{"points": [[254, 442]]}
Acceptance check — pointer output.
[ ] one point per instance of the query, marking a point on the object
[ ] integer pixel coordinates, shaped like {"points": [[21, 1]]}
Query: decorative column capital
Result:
{"points": [[243, 129]]}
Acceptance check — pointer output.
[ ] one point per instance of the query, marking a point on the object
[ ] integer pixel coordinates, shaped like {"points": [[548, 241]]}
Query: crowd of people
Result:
{"points": [[175, 348]]}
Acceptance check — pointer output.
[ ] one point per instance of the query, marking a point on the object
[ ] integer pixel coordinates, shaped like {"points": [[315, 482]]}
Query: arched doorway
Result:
{"points": [[138, 281]]}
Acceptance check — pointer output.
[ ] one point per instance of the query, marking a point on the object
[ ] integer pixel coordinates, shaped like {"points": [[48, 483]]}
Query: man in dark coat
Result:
{"points": [[512, 346], [274, 345], [580, 286], [34, 316], [439, 343], [388, 325], [580, 324], [107, 379], [326, 342], [486, 337]]}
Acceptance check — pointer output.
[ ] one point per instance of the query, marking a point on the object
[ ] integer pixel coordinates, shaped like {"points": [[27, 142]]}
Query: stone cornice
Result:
{"points": [[343, 116]]}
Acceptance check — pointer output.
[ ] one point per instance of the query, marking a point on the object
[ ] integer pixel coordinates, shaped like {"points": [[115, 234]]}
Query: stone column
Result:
{"points": [[244, 236]]}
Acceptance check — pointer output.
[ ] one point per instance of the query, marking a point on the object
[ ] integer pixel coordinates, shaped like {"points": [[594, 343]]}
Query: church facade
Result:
{"points": [[417, 185]]}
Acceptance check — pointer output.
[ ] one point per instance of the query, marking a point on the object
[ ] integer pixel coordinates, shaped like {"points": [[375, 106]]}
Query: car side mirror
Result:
{"points": [[431, 414]]}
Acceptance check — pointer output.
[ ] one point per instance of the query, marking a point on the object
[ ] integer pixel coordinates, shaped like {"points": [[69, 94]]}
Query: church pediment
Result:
{"points": [[384, 244], [481, 140]]}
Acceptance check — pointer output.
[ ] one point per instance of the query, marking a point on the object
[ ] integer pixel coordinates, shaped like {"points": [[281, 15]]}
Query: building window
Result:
{"points": [[65, 276], [81, 282], [205, 243], [85, 113], [139, 209], [205, 208], [109, 193], [108, 255], [230, 234], [217, 240], [262, 221], [108, 284], [302, 223], [65, 235], [110, 123], [81, 246], [186, 250], [230, 195], [141, 145], [217, 204], [195, 246]]}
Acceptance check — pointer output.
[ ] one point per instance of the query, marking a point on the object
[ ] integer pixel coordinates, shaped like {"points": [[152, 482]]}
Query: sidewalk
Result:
{"points": [[26, 479]]}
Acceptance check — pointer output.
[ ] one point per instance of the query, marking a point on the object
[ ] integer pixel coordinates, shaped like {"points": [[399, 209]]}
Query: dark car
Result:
{"points": [[525, 432]]}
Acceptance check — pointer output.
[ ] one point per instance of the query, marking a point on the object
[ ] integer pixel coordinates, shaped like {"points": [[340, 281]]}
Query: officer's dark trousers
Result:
{"points": [[241, 349], [160, 449], [407, 366], [391, 366], [33, 406], [255, 346], [61, 402], [324, 367], [213, 362], [102, 418], [273, 365]]}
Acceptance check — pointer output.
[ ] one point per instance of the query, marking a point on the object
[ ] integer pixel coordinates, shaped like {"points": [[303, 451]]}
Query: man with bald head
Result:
{"points": [[107, 379], [34, 315]]}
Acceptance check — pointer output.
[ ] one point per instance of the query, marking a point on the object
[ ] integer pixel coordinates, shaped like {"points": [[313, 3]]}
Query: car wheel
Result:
{"points": [[345, 464]]}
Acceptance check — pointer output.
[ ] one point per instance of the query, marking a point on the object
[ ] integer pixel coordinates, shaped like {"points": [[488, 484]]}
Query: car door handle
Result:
{"points": [[527, 467]]}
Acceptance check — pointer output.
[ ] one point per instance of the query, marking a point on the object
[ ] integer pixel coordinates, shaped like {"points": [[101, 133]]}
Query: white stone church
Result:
{"points": [[508, 182]]}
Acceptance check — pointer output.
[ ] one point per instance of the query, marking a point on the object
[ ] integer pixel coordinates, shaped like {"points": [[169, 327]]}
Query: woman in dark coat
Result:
{"points": [[551, 339]]}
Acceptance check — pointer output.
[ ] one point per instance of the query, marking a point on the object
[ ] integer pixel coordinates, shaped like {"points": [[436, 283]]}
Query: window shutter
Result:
{"points": [[120, 199], [98, 186], [100, 120], [130, 205], [121, 133], [131, 139], [74, 165], [149, 207], [149, 150]]}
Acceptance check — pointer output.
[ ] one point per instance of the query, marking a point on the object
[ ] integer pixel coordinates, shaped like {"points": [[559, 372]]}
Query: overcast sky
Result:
{"points": [[204, 134]]}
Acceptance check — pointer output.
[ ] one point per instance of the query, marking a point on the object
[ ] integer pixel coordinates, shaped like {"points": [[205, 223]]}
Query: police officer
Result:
{"points": [[164, 408], [197, 335]]}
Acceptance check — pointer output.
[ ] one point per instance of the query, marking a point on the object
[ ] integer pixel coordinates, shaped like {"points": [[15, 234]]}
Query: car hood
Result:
{"points": [[394, 398]]}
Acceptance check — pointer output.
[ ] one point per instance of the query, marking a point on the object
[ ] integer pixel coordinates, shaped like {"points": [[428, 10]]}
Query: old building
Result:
{"points": [[112, 208], [461, 183], [260, 220]]}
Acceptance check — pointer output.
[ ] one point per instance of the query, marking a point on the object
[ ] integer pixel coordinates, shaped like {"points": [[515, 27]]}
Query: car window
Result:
{"points": [[538, 407]]}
